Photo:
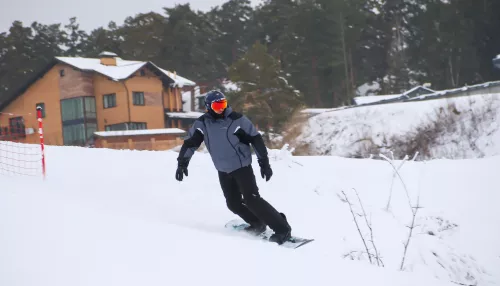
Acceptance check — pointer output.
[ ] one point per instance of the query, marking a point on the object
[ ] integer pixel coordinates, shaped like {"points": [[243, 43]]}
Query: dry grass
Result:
{"points": [[292, 130]]}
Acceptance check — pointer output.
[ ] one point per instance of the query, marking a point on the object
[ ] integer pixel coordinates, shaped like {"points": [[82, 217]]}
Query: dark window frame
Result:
{"points": [[20, 127], [105, 101], [85, 120], [138, 98], [42, 104], [123, 126]]}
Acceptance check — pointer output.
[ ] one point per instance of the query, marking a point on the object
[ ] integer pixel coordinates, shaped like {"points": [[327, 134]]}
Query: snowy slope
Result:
{"points": [[106, 217], [475, 131]]}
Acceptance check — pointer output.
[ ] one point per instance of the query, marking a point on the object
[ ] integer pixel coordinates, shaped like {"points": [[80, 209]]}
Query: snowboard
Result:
{"points": [[293, 242]]}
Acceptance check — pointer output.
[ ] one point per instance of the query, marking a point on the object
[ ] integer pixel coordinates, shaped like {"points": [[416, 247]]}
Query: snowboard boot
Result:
{"points": [[281, 237], [256, 228]]}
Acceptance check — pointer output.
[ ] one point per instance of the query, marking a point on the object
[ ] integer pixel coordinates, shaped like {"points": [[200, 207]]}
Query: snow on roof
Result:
{"points": [[190, 114], [139, 132], [179, 80], [105, 53], [369, 88], [374, 98], [122, 70], [314, 111]]}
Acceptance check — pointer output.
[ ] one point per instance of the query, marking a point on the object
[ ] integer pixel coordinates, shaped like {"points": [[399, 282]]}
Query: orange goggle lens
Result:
{"points": [[219, 106]]}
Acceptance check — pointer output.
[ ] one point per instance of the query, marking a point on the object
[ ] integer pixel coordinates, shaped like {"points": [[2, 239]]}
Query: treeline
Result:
{"points": [[323, 48]]}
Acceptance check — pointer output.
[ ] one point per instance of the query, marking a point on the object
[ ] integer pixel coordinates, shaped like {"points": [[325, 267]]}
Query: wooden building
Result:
{"points": [[81, 96]]}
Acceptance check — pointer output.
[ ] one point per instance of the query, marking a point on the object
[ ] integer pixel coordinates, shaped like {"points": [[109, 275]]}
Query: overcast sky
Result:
{"points": [[90, 13]]}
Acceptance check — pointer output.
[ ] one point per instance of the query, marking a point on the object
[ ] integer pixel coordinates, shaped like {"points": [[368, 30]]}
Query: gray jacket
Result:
{"points": [[227, 139]]}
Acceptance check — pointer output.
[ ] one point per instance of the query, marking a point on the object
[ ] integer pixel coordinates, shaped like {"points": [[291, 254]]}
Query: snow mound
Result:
{"points": [[463, 127]]}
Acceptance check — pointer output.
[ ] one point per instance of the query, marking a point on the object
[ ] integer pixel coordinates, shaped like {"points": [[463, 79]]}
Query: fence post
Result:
{"points": [[153, 144], [40, 131]]}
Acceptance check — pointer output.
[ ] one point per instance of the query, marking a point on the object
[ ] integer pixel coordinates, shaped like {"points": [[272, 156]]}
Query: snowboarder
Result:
{"points": [[227, 136]]}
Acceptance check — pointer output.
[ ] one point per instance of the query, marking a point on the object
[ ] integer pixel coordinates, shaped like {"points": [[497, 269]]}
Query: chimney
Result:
{"points": [[108, 58]]}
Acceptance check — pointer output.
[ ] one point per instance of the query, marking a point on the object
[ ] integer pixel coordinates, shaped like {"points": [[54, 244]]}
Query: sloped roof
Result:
{"points": [[122, 70], [447, 92], [428, 90]]}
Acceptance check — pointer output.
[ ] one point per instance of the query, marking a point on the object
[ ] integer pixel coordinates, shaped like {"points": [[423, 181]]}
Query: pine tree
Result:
{"points": [[265, 94]]}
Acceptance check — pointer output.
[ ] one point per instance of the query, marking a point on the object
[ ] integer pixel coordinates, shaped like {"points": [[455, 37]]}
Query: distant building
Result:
{"points": [[482, 88], [378, 99], [81, 97], [418, 93]]}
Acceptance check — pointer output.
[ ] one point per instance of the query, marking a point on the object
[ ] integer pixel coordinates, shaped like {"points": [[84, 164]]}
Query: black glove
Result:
{"points": [[181, 168], [265, 168]]}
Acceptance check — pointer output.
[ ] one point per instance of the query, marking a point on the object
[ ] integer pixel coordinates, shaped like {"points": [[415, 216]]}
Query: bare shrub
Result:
{"points": [[366, 146], [414, 210], [371, 257], [427, 134]]}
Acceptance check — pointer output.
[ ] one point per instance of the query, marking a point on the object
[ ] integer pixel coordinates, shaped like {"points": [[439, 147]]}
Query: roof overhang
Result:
{"points": [[31, 80], [166, 80]]}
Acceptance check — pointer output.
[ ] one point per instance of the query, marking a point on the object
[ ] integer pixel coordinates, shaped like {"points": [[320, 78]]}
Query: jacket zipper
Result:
{"points": [[227, 135]]}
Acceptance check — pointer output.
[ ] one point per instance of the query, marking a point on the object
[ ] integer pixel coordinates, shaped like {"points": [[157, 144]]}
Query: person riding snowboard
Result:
{"points": [[227, 136]]}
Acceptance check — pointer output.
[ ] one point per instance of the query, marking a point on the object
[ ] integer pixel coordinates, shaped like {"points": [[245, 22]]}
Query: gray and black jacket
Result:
{"points": [[227, 139]]}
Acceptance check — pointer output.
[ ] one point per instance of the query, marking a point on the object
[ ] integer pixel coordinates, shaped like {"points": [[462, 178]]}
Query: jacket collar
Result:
{"points": [[227, 112]]}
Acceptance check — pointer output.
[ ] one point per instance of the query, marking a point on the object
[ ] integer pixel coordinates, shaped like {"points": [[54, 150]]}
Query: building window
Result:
{"points": [[74, 134], [201, 103], [126, 126], [16, 126], [90, 129], [61, 72], [138, 125], [72, 109], [109, 100], [138, 98], [42, 105], [116, 127], [90, 110], [79, 120], [142, 72]]}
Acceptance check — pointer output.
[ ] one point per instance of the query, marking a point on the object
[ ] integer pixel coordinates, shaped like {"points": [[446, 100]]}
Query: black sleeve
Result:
{"points": [[248, 134], [194, 140], [259, 146]]}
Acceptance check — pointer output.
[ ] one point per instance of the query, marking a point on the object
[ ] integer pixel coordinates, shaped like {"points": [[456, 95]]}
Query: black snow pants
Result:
{"points": [[243, 198]]}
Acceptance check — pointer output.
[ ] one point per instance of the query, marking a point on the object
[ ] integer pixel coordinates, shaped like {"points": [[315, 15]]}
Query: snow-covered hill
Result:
{"points": [[454, 128], [106, 217]]}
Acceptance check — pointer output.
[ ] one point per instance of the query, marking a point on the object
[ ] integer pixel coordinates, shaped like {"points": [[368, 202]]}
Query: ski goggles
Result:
{"points": [[219, 106]]}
